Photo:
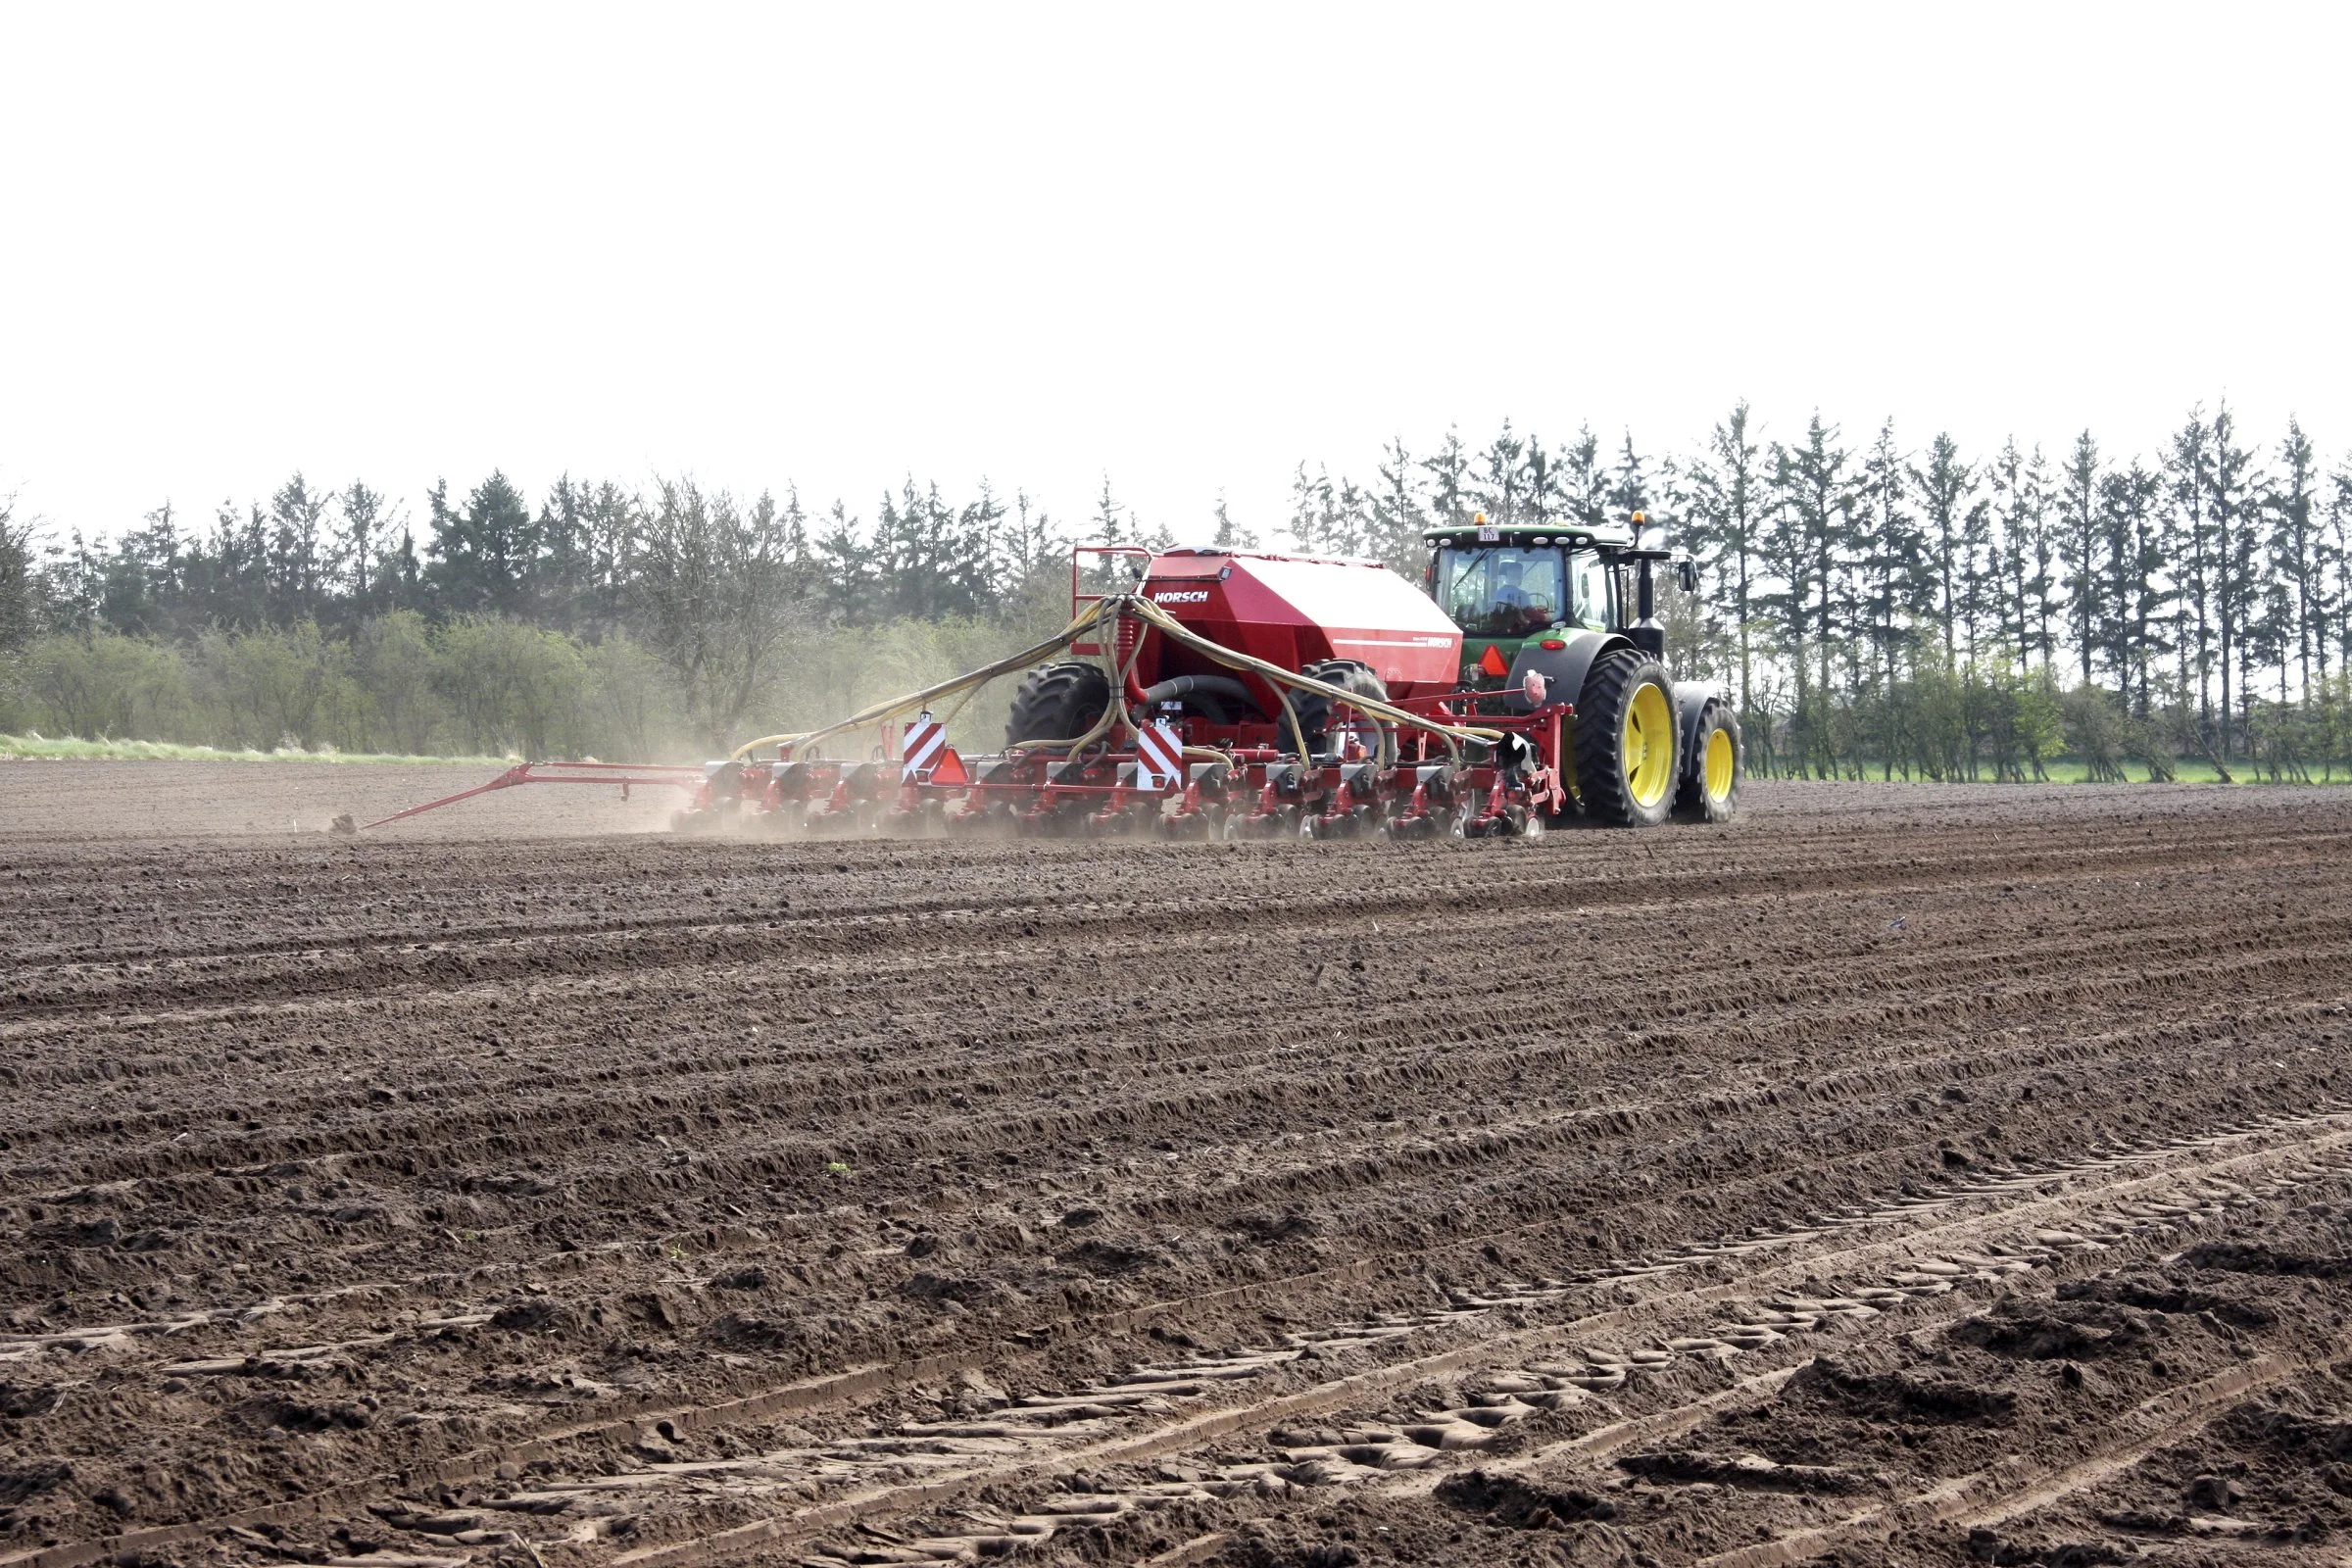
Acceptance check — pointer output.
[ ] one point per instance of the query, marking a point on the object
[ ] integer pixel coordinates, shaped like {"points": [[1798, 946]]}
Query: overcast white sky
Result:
{"points": [[1183, 245]]}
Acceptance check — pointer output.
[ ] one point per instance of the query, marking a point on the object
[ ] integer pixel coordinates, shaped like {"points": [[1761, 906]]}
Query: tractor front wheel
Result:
{"points": [[1625, 742]]}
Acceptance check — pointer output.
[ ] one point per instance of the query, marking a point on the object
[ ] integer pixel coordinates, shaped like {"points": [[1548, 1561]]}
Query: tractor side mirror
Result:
{"points": [[1686, 573]]}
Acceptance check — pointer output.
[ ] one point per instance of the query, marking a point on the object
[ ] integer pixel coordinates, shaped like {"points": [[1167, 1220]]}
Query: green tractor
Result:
{"points": [[1576, 606]]}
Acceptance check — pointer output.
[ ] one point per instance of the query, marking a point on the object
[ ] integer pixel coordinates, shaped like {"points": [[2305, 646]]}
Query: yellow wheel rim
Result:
{"points": [[1648, 745], [1720, 763]]}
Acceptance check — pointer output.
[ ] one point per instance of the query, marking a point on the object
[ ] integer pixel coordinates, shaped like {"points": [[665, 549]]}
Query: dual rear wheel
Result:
{"points": [[1629, 762], [1710, 791]]}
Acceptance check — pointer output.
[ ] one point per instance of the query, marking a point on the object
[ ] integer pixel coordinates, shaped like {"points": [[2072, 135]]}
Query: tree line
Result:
{"points": [[667, 618], [589, 558], [1941, 613], [1878, 607]]}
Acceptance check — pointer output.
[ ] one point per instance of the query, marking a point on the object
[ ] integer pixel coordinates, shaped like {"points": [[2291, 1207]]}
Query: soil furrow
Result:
{"points": [[452, 1198]]}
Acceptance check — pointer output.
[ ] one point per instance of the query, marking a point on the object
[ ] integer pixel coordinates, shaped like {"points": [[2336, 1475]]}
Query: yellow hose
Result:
{"points": [[1453, 734], [880, 711], [748, 747], [1115, 712]]}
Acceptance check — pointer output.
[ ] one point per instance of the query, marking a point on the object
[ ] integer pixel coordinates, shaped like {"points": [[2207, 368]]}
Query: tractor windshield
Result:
{"points": [[1502, 589]]}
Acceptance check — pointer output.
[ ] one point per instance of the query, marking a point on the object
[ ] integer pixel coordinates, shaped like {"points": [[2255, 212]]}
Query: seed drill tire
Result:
{"points": [[1314, 708], [1624, 717], [1059, 703], [1710, 788]]}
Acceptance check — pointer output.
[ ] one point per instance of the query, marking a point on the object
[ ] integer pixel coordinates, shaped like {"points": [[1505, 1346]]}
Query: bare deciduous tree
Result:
{"points": [[17, 587], [714, 591]]}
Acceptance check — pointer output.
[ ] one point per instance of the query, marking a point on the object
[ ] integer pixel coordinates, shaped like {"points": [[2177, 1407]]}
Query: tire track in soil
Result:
{"points": [[1914, 1221], [1010, 1459], [475, 1320], [1988, 1497], [1993, 1496], [1492, 1144], [2190, 949]]}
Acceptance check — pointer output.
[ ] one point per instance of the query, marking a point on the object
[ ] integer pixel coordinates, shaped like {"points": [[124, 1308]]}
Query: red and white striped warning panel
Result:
{"points": [[1159, 757], [922, 742]]}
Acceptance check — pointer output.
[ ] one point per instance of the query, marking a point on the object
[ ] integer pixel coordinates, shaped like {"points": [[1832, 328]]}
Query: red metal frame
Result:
{"points": [[624, 774], [1078, 599]]}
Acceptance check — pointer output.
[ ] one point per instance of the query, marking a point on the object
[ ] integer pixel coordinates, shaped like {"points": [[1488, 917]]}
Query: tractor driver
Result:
{"points": [[1508, 607], [1514, 607]]}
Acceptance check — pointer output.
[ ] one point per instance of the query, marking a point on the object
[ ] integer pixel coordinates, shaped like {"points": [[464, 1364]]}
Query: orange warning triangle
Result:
{"points": [[949, 769], [1491, 662]]}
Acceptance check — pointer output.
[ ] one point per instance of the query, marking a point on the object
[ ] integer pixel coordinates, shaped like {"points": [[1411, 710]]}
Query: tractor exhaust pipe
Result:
{"points": [[1647, 633]]}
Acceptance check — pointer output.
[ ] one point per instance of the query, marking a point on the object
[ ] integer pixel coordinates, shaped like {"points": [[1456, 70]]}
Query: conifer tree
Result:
{"points": [[366, 519], [1544, 499], [1813, 491], [1398, 519], [1496, 485], [1628, 485], [479, 552], [2190, 544], [1448, 470], [1584, 484], [298, 552], [847, 564], [1230, 535], [1310, 511], [1945, 487], [2228, 500], [2138, 592], [1729, 505], [982, 575], [2020, 499], [2335, 545], [2083, 541], [1032, 545], [2296, 558], [1895, 588], [554, 580], [1108, 525]]}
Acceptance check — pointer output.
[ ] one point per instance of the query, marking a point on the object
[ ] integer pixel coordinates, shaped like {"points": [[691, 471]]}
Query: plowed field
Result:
{"points": [[1897, 1175]]}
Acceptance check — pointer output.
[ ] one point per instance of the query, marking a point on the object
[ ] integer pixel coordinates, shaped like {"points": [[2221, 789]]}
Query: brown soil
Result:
{"points": [[53, 801], [1899, 1175]]}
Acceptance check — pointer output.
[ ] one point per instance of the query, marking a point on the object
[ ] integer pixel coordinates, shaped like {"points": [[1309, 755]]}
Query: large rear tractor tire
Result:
{"points": [[1313, 709], [1625, 741], [1710, 791], [1059, 703]]}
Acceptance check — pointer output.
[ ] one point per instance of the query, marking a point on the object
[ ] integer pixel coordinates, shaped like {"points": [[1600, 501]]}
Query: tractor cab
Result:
{"points": [[1507, 584]]}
